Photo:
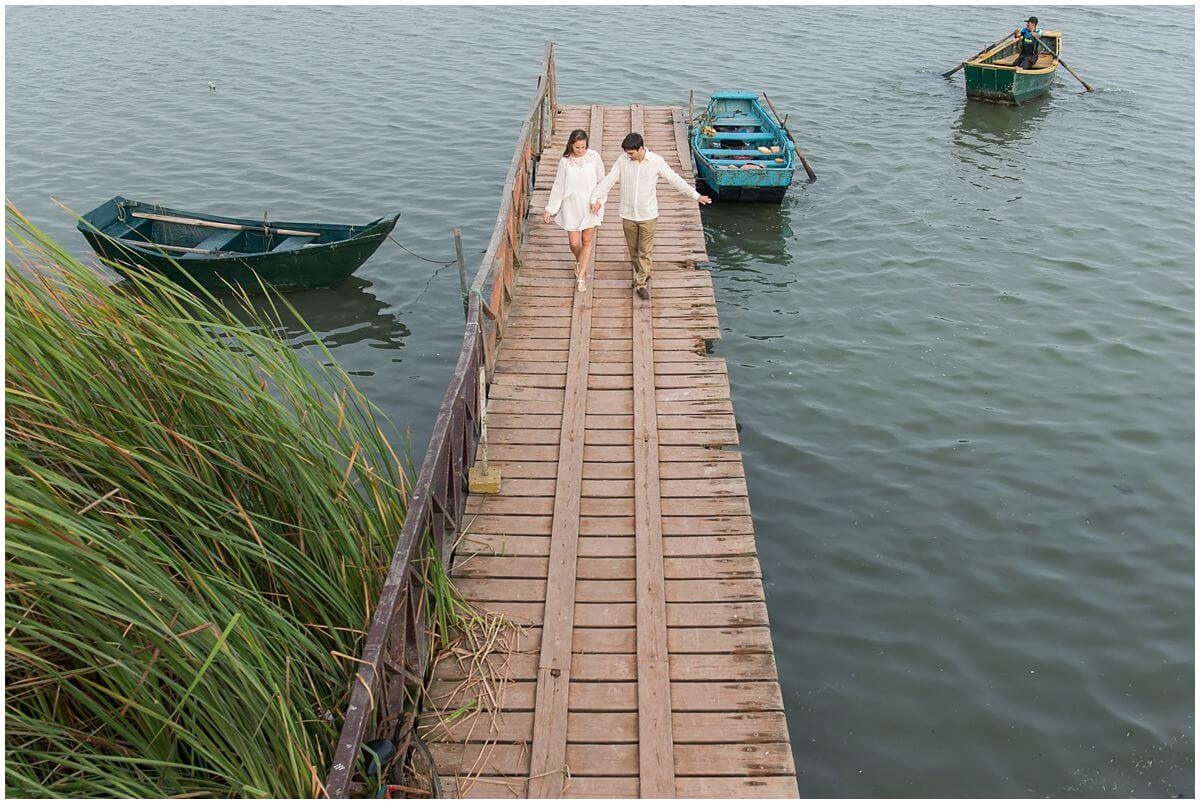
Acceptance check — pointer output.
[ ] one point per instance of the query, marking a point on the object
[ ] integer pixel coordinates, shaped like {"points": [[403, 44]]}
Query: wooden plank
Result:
{"points": [[613, 486], [678, 569], [548, 751], [621, 696], [626, 787], [761, 759], [702, 590], [611, 727], [503, 544], [654, 723], [656, 770], [750, 639], [609, 506], [621, 615], [516, 525]]}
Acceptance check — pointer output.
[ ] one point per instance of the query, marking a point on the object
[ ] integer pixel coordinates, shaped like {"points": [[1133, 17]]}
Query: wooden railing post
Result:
{"points": [[462, 267], [553, 89], [485, 478]]}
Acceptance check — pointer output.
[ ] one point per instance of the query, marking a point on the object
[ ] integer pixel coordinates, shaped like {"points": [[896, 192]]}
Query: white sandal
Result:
{"points": [[580, 285]]}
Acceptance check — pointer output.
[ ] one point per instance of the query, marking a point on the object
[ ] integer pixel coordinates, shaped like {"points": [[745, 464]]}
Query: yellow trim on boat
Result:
{"points": [[981, 61]]}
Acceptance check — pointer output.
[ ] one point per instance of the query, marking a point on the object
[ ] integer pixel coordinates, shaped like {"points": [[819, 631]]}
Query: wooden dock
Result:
{"points": [[621, 539]]}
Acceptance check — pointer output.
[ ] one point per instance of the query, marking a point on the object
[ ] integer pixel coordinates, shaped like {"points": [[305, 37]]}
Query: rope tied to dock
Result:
{"points": [[443, 263]]}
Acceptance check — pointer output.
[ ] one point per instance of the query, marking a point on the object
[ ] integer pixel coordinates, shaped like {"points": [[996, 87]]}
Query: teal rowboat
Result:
{"points": [[741, 152], [991, 76], [219, 253]]}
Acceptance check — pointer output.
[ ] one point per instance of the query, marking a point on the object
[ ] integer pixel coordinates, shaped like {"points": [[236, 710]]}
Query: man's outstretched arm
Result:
{"points": [[680, 183]]}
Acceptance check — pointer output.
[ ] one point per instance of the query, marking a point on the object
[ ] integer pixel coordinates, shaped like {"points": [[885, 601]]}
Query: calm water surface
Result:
{"points": [[962, 361]]}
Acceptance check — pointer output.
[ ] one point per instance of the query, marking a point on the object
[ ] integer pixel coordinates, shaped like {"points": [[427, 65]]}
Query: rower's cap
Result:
{"points": [[1033, 20]]}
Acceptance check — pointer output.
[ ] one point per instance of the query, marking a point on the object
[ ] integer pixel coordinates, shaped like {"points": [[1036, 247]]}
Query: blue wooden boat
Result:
{"points": [[742, 153]]}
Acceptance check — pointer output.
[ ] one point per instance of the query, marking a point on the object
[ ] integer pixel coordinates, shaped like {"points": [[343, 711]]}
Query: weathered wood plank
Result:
{"points": [[755, 759], [614, 727], [750, 639], [502, 544], [677, 569], [621, 615], [548, 751], [627, 787], [621, 696]]}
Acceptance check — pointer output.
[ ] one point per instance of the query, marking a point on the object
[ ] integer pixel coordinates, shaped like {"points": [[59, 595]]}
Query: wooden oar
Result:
{"points": [[812, 176], [149, 245], [219, 225], [1038, 39], [962, 64]]}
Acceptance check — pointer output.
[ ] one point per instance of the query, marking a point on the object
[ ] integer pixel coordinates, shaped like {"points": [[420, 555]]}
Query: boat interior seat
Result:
{"points": [[744, 136], [744, 122], [218, 240], [123, 229], [724, 163], [1044, 61], [730, 152], [295, 242]]}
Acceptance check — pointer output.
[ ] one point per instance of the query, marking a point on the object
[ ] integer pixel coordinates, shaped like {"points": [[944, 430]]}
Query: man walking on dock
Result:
{"points": [[638, 170]]}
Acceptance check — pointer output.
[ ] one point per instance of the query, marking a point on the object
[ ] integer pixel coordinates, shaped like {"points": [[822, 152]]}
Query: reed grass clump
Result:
{"points": [[199, 519]]}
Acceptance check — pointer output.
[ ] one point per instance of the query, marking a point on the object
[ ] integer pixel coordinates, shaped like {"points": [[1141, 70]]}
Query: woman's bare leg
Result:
{"points": [[585, 251], [575, 239]]}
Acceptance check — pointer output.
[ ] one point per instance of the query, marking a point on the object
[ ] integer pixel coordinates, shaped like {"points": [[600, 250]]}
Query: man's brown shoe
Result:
{"points": [[643, 291]]}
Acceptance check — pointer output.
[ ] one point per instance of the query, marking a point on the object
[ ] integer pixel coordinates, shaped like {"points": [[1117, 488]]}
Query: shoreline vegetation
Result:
{"points": [[199, 520]]}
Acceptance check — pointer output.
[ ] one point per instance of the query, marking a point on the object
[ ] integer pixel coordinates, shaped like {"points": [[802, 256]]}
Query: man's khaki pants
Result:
{"points": [[639, 236]]}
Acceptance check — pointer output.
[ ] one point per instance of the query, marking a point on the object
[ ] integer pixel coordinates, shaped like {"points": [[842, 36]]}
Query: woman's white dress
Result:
{"points": [[570, 197]]}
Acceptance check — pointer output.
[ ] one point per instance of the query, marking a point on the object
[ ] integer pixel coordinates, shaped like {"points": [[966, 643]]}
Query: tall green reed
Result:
{"points": [[198, 523]]}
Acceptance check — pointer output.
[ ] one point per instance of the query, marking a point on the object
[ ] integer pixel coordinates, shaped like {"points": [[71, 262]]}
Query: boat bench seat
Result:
{"points": [[719, 153], [737, 121], [124, 229], [218, 240], [293, 243], [744, 136]]}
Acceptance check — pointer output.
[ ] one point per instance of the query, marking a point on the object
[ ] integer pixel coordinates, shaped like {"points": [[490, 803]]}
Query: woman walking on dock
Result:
{"points": [[579, 171]]}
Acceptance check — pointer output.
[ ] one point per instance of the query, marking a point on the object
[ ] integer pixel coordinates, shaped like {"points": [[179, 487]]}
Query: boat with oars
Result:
{"points": [[221, 253], [743, 153], [991, 76]]}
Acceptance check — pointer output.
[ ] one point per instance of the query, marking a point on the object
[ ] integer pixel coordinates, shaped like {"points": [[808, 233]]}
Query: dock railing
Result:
{"points": [[396, 651]]}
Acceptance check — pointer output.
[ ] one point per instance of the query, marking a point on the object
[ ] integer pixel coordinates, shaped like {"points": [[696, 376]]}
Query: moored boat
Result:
{"points": [[991, 76], [742, 153], [219, 253]]}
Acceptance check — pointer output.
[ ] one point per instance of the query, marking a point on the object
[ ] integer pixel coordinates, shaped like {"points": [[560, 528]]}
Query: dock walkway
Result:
{"points": [[621, 539]]}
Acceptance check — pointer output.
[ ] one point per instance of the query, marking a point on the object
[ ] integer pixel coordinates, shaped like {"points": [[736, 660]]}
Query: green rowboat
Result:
{"points": [[991, 76], [222, 253]]}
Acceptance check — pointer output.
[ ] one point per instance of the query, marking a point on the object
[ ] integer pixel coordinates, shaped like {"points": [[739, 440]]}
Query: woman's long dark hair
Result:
{"points": [[576, 135]]}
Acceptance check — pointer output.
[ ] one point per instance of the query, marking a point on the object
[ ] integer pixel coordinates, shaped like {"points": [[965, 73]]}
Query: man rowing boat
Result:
{"points": [[1028, 55]]}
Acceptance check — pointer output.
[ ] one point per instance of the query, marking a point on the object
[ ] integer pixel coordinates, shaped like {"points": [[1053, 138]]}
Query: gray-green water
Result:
{"points": [[962, 361]]}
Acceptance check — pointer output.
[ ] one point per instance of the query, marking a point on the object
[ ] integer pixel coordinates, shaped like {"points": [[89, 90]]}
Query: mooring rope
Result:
{"points": [[441, 266], [442, 263]]}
